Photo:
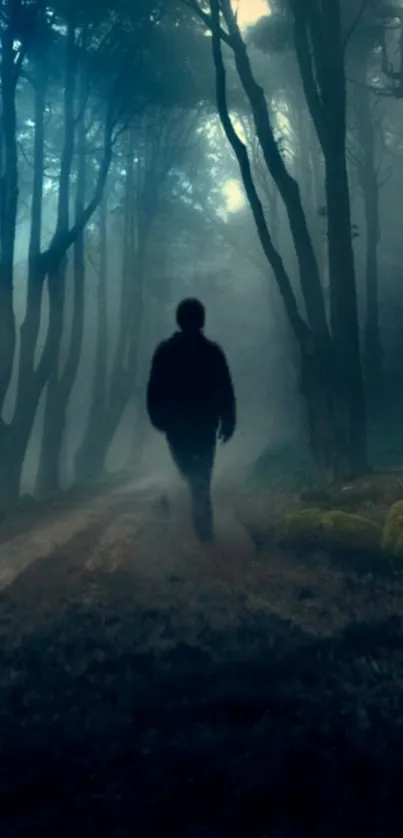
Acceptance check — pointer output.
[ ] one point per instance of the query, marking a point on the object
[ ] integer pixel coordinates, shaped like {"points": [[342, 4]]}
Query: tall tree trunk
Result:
{"points": [[52, 435], [313, 337], [53, 268], [344, 315], [122, 385], [368, 180], [287, 186], [50, 264], [8, 207], [21, 424], [311, 178], [90, 457], [8, 223], [373, 353], [62, 378], [137, 228], [320, 52], [343, 291]]}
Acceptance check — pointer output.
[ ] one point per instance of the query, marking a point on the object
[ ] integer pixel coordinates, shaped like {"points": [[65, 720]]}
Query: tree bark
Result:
{"points": [[48, 265], [8, 207], [312, 336], [90, 457], [287, 186], [53, 426], [55, 272], [18, 432], [369, 183], [343, 291], [123, 380], [61, 381], [138, 216], [373, 353], [320, 52], [344, 318], [8, 222]]}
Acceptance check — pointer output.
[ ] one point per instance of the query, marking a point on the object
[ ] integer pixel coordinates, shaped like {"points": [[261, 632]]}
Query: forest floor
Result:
{"points": [[150, 686]]}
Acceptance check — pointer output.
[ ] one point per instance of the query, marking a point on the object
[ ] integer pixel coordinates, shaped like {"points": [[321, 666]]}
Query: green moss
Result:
{"points": [[332, 531], [327, 497], [377, 489], [392, 540], [352, 532], [304, 527]]}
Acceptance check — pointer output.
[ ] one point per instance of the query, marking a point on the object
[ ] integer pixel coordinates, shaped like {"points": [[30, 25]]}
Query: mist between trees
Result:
{"points": [[155, 149]]}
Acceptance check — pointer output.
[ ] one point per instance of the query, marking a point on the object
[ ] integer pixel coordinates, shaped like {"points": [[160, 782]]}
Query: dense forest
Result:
{"points": [[201, 629], [155, 149]]}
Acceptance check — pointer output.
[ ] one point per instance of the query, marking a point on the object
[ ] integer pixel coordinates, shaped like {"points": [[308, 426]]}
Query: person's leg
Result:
{"points": [[181, 455], [200, 488], [194, 459]]}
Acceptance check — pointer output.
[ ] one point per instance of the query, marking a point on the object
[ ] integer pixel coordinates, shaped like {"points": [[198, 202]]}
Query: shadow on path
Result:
{"points": [[138, 696], [116, 721]]}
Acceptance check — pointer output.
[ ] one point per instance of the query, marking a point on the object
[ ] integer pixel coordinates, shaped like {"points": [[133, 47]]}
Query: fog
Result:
{"points": [[201, 417], [133, 194]]}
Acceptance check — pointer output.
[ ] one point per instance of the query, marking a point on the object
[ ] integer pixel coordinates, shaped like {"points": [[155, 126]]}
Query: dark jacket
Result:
{"points": [[190, 387]]}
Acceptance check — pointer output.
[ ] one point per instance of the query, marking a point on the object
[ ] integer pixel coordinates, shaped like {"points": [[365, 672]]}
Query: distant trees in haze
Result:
{"points": [[106, 108], [79, 55], [82, 96], [151, 155]]}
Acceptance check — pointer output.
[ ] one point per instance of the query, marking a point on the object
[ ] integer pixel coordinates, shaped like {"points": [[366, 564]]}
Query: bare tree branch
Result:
{"points": [[298, 325], [195, 7]]}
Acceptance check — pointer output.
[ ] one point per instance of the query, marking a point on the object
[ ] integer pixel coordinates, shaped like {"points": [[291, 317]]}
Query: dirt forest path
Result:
{"points": [[142, 527], [139, 535], [141, 532], [150, 685]]}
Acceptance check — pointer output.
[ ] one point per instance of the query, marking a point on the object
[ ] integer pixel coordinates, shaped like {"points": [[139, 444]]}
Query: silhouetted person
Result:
{"points": [[190, 399]]}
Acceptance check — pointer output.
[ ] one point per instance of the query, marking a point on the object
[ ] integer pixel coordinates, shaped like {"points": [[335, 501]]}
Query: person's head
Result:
{"points": [[190, 315]]}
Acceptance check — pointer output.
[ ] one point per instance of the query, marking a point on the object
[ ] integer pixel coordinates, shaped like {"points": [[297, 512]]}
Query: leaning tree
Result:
{"points": [[332, 378]]}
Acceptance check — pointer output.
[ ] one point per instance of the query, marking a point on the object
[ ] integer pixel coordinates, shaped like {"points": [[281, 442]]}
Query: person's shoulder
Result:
{"points": [[161, 355], [165, 345], [214, 348]]}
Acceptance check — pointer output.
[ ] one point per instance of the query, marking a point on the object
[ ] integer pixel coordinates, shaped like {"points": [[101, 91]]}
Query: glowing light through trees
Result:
{"points": [[249, 11]]}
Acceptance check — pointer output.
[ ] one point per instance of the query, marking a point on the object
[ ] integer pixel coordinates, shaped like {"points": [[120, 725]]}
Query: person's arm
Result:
{"points": [[227, 402], [156, 391]]}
